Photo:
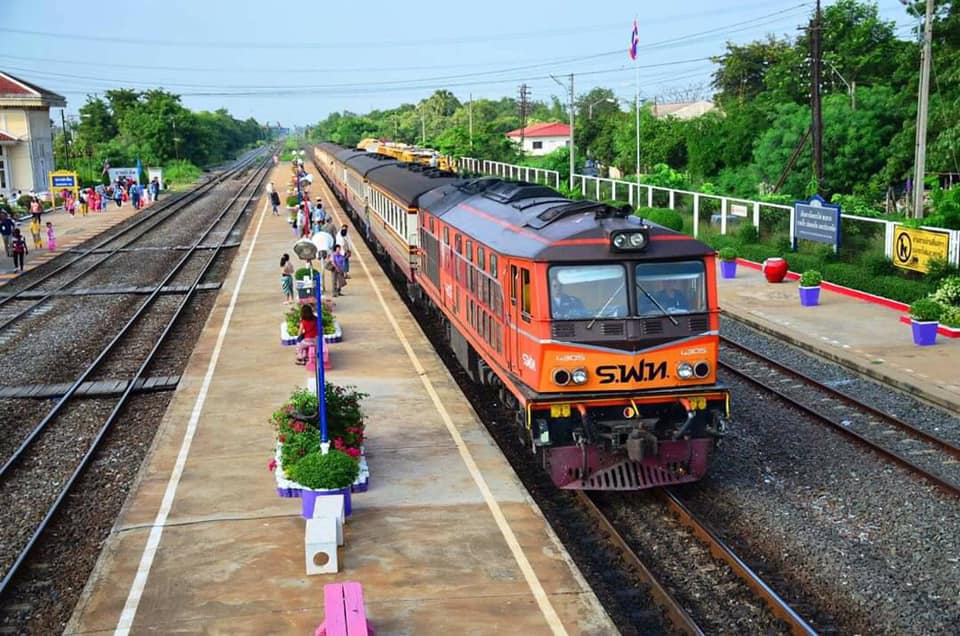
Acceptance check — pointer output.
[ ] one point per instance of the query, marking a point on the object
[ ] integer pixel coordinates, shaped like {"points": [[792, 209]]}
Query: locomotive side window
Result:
{"points": [[526, 301], [481, 261], [676, 288], [513, 284], [446, 236], [588, 291], [458, 244]]}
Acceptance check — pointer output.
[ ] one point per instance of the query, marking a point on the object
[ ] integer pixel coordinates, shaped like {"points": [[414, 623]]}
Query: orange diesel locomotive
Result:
{"points": [[599, 329]]}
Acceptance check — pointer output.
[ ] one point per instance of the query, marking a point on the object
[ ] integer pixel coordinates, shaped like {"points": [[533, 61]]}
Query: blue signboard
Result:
{"points": [[64, 181], [816, 220]]}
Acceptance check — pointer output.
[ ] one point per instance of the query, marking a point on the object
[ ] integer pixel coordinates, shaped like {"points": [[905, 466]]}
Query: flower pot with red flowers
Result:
{"points": [[810, 288], [728, 262], [924, 321]]}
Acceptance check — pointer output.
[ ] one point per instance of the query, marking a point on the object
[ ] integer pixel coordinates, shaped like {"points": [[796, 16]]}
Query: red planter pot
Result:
{"points": [[775, 269]]}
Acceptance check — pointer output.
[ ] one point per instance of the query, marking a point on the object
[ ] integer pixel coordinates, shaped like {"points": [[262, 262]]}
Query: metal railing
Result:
{"points": [[723, 213]]}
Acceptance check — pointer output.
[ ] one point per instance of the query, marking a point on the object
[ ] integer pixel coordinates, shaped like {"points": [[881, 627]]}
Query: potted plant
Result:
{"points": [[728, 262], [303, 282], [810, 288], [320, 474], [925, 320]]}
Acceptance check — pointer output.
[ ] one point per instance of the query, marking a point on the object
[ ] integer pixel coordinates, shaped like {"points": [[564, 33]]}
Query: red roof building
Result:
{"points": [[541, 139], [26, 147]]}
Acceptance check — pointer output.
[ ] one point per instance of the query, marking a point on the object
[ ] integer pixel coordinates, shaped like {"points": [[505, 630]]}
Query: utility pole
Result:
{"points": [[922, 108], [470, 116], [524, 95], [66, 138], [572, 149], [815, 97]]}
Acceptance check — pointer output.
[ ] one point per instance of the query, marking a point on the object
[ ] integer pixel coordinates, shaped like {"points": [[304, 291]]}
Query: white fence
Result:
{"points": [[724, 211], [510, 171]]}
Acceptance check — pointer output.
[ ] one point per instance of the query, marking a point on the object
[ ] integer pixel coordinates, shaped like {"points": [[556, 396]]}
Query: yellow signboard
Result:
{"points": [[914, 249], [61, 180]]}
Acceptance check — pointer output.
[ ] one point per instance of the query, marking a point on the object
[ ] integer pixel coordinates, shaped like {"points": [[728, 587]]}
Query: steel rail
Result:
{"points": [[943, 444], [678, 616], [172, 211], [85, 460], [779, 607], [944, 484], [117, 338]]}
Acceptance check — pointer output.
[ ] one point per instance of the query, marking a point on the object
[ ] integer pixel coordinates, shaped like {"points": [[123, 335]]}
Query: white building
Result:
{"points": [[26, 139], [683, 110], [542, 139]]}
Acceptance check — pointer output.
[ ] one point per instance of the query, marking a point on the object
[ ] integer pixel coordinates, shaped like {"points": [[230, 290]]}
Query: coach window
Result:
{"points": [[513, 284], [493, 266], [481, 258], [526, 302], [431, 224], [458, 244], [446, 236], [470, 250]]}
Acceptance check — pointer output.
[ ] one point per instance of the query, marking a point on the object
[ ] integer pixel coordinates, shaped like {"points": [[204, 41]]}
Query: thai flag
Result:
{"points": [[634, 41]]}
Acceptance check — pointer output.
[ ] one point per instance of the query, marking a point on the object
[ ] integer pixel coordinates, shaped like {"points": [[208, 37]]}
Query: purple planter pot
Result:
{"points": [[924, 333], [309, 497], [728, 269], [809, 296]]}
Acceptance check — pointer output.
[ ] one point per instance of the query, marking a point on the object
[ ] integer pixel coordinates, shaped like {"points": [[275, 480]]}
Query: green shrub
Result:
{"points": [[810, 278], [292, 201], [877, 264], [180, 173], [728, 254], [948, 292], [748, 233], [941, 269], [332, 471], [951, 317], [292, 319], [24, 201], [666, 218], [302, 272], [926, 309]]}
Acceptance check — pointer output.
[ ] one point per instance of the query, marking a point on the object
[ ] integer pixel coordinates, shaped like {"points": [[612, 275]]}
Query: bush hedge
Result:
{"points": [[666, 218]]}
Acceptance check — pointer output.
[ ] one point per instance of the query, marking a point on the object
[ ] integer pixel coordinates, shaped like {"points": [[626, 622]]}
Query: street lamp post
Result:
{"points": [[851, 87], [608, 100]]}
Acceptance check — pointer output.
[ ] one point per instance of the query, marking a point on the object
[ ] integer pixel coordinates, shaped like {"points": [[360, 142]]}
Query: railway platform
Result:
{"points": [[445, 541], [862, 334], [70, 232]]}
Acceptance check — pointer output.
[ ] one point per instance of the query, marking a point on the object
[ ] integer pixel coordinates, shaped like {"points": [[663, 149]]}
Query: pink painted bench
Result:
{"points": [[343, 613], [312, 358]]}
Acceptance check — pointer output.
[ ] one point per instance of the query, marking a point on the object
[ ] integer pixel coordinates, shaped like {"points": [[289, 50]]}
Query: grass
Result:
{"points": [[180, 175]]}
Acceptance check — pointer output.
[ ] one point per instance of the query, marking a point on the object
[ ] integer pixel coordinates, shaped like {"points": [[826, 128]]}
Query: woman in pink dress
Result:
{"points": [[51, 239]]}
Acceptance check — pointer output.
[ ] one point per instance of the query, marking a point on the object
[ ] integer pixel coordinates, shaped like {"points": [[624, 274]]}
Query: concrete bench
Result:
{"points": [[343, 612]]}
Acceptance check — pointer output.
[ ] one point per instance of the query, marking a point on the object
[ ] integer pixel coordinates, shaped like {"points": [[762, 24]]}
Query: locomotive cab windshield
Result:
{"points": [[587, 292]]}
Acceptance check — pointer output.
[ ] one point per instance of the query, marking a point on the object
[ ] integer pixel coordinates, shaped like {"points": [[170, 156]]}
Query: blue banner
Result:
{"points": [[816, 220]]}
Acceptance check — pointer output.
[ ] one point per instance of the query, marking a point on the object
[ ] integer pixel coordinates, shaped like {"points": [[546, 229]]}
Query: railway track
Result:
{"points": [[85, 423], [674, 608], [102, 252], [933, 458]]}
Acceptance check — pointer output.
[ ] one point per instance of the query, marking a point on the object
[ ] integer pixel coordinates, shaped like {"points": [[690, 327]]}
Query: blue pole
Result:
{"points": [[321, 383]]}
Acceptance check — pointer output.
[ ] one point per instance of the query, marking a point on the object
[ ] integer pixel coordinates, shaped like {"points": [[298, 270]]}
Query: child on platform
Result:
{"points": [[35, 229], [18, 245], [308, 331], [51, 239]]}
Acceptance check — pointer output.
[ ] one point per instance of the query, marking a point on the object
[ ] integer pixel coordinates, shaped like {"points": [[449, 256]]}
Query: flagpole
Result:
{"points": [[636, 102]]}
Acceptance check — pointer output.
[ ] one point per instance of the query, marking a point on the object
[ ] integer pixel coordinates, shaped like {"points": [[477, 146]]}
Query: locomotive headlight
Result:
{"points": [[561, 377], [684, 370], [630, 240], [579, 376]]}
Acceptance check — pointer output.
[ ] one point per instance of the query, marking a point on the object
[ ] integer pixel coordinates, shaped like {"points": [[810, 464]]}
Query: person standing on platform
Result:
{"points": [[18, 245], [286, 278], [51, 239], [330, 227], [118, 196], [135, 196], [338, 274], [6, 232], [346, 248], [84, 202], [155, 188]]}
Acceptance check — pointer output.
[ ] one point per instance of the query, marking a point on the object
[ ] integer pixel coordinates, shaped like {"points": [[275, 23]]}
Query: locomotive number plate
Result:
{"points": [[559, 410]]}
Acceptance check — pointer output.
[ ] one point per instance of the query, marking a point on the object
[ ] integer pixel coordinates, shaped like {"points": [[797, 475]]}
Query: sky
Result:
{"points": [[295, 63]]}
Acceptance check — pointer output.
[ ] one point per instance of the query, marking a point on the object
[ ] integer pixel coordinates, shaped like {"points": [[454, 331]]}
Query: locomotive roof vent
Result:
{"points": [[510, 191]]}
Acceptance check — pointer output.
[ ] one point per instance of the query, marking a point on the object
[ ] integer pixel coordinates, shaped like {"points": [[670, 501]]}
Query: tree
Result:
{"points": [[743, 68]]}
